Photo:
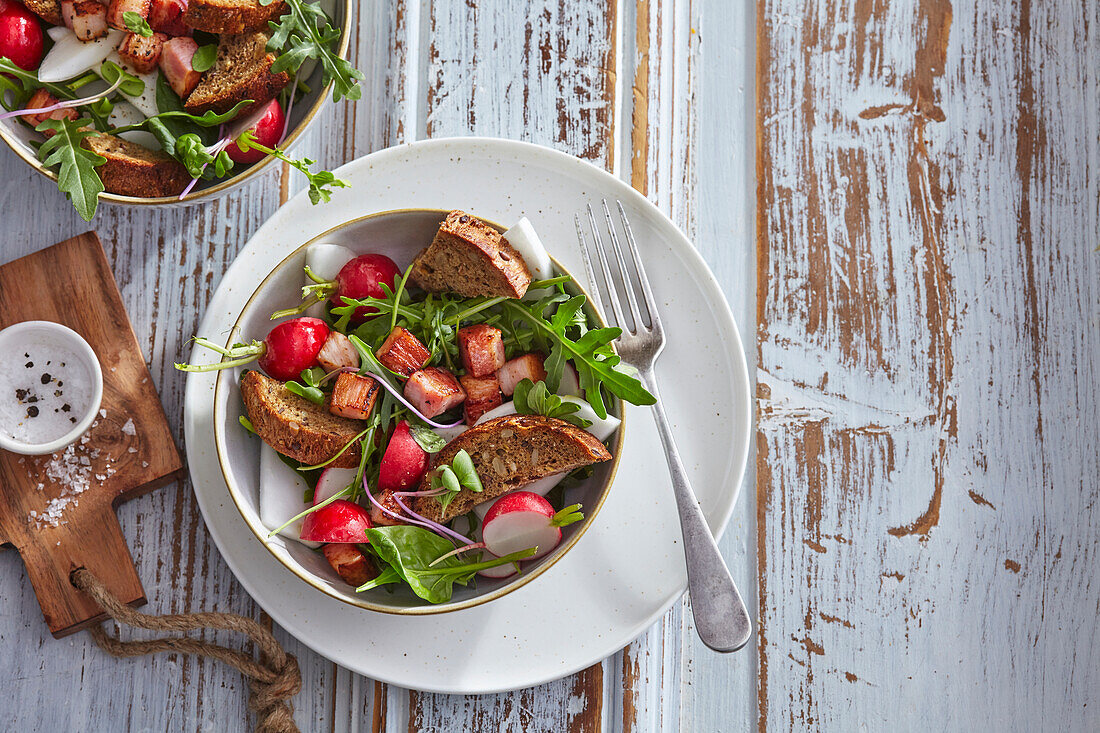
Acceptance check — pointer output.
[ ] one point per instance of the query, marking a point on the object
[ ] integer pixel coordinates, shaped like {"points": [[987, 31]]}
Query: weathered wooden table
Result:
{"points": [[924, 525]]}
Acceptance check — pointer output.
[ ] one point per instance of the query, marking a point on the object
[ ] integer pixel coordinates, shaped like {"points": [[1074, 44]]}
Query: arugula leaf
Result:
{"points": [[592, 354], [536, 399], [246, 424], [136, 24], [77, 177], [204, 57], [304, 32], [318, 182], [410, 552], [313, 394], [427, 438]]}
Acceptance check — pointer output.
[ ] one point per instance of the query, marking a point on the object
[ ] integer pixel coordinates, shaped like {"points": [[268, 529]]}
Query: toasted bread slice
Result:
{"points": [[242, 71], [470, 258], [135, 170], [47, 10], [509, 453], [231, 16], [296, 427]]}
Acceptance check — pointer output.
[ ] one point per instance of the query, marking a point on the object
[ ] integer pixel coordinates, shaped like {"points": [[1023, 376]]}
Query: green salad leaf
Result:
{"points": [[428, 439], [76, 176], [137, 24], [319, 182], [410, 551], [304, 32], [205, 57], [536, 399]]}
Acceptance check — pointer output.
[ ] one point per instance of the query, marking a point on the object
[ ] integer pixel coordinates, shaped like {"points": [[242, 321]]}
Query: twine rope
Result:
{"points": [[273, 679]]}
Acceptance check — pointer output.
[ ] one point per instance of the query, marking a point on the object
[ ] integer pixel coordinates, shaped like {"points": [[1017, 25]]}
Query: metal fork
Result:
{"points": [[720, 615]]}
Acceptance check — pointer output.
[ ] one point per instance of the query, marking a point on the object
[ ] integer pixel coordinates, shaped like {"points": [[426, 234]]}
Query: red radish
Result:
{"points": [[269, 132], [292, 347], [404, 462], [332, 481], [362, 277], [20, 35], [340, 521], [520, 520]]}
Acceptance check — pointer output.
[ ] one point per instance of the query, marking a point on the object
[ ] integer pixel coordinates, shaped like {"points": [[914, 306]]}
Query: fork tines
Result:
{"points": [[620, 281]]}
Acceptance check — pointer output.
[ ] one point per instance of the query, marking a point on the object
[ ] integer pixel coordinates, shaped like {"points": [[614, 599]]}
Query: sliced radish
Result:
{"points": [[125, 113], [281, 492], [146, 102], [520, 520], [57, 32], [70, 56], [523, 238], [541, 487], [331, 482], [499, 571], [404, 462], [449, 434], [602, 428], [570, 383], [340, 521]]}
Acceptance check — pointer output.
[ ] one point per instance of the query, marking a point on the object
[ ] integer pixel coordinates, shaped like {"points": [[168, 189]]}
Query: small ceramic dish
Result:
{"points": [[399, 235], [19, 137], [51, 387]]}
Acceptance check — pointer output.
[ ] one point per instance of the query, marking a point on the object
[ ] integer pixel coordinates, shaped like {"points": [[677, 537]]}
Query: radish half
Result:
{"points": [[331, 482], [523, 238], [71, 56], [520, 520], [340, 521]]}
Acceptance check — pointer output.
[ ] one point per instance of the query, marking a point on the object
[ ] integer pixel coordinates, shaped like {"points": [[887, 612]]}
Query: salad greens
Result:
{"points": [[76, 174], [303, 32], [413, 554], [536, 399], [453, 478]]}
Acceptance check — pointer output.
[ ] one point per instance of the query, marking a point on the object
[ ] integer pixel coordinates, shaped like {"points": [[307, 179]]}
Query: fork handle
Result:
{"points": [[721, 619]]}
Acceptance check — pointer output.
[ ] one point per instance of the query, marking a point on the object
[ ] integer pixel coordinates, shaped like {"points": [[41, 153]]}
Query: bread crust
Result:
{"points": [[563, 447], [296, 427], [231, 16], [47, 10], [242, 71], [134, 170], [471, 258]]}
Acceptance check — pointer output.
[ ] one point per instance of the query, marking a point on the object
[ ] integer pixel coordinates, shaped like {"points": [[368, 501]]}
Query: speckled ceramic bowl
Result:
{"points": [[19, 136], [399, 235]]}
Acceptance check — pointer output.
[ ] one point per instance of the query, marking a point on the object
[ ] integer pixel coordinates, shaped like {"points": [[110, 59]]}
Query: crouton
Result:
{"points": [[232, 16], [134, 170], [509, 453], [470, 258], [242, 71], [353, 396]]}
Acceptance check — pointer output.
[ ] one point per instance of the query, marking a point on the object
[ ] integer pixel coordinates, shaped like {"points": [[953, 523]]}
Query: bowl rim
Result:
{"points": [[310, 578], [198, 196]]}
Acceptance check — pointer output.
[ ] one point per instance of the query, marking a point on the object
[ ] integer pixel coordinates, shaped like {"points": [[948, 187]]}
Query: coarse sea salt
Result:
{"points": [[44, 391]]}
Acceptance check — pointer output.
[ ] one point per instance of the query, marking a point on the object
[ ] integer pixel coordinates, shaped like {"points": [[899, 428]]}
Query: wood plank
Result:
{"points": [[925, 276], [553, 83], [168, 263]]}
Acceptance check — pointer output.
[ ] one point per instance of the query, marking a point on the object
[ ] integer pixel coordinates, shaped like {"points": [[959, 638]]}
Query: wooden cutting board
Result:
{"points": [[58, 511]]}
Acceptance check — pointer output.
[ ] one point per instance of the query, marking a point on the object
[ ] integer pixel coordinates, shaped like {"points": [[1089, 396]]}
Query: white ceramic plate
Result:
{"points": [[628, 568]]}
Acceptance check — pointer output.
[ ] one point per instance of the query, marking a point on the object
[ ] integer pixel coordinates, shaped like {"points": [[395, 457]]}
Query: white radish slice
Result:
{"points": [[449, 434], [500, 571], [518, 521], [281, 492], [523, 238], [57, 32], [506, 408], [325, 261], [570, 383], [146, 102], [70, 56], [125, 113], [331, 482], [541, 487]]}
